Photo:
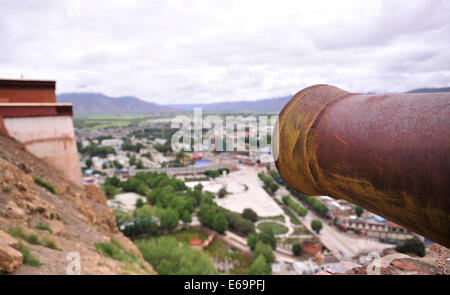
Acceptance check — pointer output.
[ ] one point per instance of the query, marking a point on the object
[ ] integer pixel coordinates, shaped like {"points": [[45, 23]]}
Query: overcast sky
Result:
{"points": [[208, 51]]}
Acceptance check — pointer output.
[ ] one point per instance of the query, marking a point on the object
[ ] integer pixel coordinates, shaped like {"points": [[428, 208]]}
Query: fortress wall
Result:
{"points": [[50, 138], [29, 114]]}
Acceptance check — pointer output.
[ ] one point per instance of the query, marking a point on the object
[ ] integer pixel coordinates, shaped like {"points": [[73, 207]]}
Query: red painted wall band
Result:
{"points": [[35, 111]]}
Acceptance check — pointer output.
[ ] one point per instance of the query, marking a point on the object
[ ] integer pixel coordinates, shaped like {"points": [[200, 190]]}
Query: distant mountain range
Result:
{"points": [[97, 103], [263, 105], [429, 90]]}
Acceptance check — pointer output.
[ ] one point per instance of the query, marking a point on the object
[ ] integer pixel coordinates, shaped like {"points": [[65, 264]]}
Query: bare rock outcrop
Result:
{"points": [[10, 256], [436, 261]]}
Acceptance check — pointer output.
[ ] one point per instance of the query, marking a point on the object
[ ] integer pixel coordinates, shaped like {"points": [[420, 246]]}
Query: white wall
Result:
{"points": [[50, 138]]}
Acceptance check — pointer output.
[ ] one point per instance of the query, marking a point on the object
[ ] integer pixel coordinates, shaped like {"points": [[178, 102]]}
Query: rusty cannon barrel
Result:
{"points": [[389, 153]]}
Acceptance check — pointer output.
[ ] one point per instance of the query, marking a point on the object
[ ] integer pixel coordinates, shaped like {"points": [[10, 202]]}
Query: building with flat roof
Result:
{"points": [[30, 114]]}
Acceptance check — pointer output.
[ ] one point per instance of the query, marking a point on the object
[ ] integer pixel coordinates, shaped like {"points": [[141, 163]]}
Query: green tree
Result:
{"points": [[259, 267], [139, 203], [169, 257], [264, 250], [142, 189], [249, 214], [411, 246], [169, 219], [265, 236], [114, 181], [89, 163], [222, 193], [220, 223], [297, 249], [186, 216], [109, 190], [132, 160], [147, 155], [198, 187], [140, 165], [117, 164], [359, 211], [316, 225]]}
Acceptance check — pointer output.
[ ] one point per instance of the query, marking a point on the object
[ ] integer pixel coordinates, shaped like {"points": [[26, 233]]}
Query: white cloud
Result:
{"points": [[208, 51]]}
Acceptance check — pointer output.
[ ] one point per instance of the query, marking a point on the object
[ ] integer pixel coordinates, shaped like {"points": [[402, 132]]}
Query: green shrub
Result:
{"points": [[294, 219], [276, 228], [237, 223], [316, 225], [139, 203], [115, 251], [269, 185], [33, 238], [359, 211], [249, 214], [317, 205], [411, 246], [28, 257], [222, 193], [302, 211], [7, 189], [275, 175], [45, 184], [49, 243], [297, 249], [44, 226]]}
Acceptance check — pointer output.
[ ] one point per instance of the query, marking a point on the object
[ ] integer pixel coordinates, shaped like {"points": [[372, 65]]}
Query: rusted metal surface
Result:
{"points": [[389, 154]]}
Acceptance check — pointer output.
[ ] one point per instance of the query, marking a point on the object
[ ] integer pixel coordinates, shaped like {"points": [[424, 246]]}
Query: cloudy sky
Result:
{"points": [[207, 51]]}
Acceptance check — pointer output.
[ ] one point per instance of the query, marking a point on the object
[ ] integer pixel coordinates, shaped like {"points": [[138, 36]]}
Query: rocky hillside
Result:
{"points": [[436, 262], [43, 218]]}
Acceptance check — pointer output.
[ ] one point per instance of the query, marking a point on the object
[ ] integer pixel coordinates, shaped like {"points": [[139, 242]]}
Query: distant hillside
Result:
{"points": [[97, 103], [430, 90], [263, 105]]}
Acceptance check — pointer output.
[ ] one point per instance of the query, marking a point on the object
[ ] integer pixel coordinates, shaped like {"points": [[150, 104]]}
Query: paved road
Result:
{"points": [[343, 245]]}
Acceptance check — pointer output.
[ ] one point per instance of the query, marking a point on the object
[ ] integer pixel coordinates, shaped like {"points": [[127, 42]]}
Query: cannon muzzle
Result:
{"points": [[388, 153]]}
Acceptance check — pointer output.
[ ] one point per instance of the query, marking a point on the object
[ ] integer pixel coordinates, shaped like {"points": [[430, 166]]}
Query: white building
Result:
{"points": [[308, 267], [111, 142]]}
